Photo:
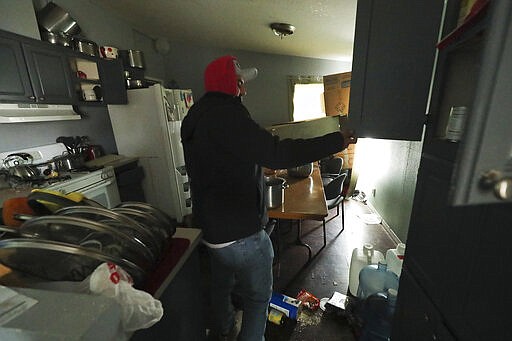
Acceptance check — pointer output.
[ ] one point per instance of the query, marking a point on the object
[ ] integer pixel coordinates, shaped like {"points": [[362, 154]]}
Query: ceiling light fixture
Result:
{"points": [[281, 29]]}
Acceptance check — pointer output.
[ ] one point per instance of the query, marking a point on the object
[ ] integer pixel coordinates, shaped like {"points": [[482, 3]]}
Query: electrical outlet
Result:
{"points": [[373, 192]]}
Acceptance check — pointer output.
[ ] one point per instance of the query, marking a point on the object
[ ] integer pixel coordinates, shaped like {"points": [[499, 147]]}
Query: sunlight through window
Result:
{"points": [[308, 101]]}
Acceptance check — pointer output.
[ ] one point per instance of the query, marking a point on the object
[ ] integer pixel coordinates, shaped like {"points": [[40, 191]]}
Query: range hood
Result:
{"points": [[25, 112]]}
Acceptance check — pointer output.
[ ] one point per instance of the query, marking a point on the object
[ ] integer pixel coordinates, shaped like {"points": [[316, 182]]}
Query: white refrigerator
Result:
{"points": [[148, 127]]}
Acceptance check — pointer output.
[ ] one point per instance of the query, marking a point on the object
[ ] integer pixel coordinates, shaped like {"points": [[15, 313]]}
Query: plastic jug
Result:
{"points": [[377, 315], [361, 257], [395, 259], [376, 278]]}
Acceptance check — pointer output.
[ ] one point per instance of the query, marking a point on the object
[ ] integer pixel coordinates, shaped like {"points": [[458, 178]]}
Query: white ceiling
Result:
{"points": [[324, 28]]}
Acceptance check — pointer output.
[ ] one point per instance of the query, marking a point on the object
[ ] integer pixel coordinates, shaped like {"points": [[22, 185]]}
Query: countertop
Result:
{"points": [[77, 316], [113, 160]]}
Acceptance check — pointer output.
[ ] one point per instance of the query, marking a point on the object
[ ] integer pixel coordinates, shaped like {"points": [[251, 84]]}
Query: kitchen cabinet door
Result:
{"points": [[14, 80], [50, 74], [393, 58], [113, 82]]}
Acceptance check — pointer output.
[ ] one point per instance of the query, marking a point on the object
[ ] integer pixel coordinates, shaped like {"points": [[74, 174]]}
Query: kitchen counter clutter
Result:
{"points": [[63, 315]]}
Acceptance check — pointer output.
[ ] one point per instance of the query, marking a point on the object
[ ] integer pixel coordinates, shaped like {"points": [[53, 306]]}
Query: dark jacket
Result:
{"points": [[224, 151]]}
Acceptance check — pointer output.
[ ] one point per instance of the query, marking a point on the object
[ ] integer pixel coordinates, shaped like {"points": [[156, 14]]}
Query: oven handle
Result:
{"points": [[96, 186]]}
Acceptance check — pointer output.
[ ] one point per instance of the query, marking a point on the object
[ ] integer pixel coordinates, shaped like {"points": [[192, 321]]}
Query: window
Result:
{"points": [[306, 100]]}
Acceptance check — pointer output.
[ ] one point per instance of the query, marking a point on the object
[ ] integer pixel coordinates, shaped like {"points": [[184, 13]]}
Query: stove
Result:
{"points": [[99, 185]]}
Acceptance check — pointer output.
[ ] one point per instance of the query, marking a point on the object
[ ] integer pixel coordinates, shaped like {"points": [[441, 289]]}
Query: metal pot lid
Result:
{"points": [[89, 234], [58, 261], [166, 220], [148, 221], [117, 221]]}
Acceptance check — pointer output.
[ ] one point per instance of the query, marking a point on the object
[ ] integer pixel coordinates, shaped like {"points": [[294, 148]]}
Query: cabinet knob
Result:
{"points": [[41, 98], [494, 180], [32, 97], [503, 189]]}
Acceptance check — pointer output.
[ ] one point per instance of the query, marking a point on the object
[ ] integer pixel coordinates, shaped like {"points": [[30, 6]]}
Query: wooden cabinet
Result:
{"points": [[453, 285], [33, 72], [14, 81], [113, 81], [393, 58], [49, 74], [36, 71]]}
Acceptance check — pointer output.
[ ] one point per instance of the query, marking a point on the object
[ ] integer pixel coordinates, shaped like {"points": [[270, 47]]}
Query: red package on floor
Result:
{"points": [[308, 300]]}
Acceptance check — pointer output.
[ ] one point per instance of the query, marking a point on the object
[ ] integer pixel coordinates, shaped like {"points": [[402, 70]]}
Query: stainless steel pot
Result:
{"points": [[53, 18], [132, 58], [85, 46], [68, 162], [274, 191], [56, 38]]}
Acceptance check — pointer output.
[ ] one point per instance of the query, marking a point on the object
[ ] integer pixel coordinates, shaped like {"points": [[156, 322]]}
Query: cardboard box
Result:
{"points": [[337, 93], [285, 304], [306, 129]]}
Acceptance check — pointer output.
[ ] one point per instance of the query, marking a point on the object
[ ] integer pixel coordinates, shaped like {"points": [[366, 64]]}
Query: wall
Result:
{"points": [[11, 11], [390, 167], [267, 98]]}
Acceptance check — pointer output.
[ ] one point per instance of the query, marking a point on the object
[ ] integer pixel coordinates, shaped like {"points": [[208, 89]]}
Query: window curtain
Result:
{"points": [[292, 80]]}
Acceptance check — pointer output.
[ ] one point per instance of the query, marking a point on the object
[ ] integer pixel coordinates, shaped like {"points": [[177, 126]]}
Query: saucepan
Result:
{"points": [[55, 19], [69, 162]]}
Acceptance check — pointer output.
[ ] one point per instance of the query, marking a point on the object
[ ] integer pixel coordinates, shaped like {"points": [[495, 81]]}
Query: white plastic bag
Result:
{"points": [[139, 309]]}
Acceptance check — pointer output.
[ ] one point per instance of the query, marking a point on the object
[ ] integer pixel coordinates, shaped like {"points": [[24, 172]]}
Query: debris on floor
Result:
{"points": [[370, 218]]}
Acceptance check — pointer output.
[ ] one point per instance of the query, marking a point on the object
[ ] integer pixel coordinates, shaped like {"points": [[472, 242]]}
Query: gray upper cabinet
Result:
{"points": [[38, 72], [394, 54], [50, 75], [14, 81], [33, 72]]}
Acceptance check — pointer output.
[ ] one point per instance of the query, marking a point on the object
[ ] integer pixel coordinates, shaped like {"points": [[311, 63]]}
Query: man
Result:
{"points": [[224, 154]]}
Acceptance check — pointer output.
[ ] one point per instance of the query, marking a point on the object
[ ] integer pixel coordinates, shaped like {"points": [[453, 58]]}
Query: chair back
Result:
{"points": [[331, 166], [334, 188]]}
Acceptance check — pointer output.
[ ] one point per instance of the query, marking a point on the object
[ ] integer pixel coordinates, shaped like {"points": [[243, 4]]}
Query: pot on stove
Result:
{"points": [[69, 162]]}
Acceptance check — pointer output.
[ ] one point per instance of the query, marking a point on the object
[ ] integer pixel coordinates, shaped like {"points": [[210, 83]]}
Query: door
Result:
{"points": [[484, 172], [50, 74], [393, 58], [14, 81]]}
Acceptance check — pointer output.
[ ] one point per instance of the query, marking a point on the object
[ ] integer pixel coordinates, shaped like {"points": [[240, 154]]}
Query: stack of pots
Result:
{"points": [[56, 25]]}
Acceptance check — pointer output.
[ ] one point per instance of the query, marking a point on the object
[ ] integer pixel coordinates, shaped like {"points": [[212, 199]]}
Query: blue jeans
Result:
{"points": [[247, 263]]}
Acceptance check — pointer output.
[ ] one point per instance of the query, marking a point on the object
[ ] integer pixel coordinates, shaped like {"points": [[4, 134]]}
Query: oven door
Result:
{"points": [[103, 192]]}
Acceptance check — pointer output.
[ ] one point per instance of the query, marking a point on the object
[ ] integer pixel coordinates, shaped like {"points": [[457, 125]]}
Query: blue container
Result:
{"points": [[377, 313], [376, 278]]}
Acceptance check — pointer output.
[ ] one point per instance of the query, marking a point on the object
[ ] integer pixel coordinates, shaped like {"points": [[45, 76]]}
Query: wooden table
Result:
{"points": [[303, 199]]}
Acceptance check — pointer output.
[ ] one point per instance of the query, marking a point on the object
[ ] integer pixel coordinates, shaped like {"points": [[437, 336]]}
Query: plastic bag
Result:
{"points": [[138, 308], [308, 300]]}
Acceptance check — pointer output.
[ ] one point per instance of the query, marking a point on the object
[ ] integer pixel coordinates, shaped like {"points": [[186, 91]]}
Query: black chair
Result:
{"points": [[334, 198], [330, 168]]}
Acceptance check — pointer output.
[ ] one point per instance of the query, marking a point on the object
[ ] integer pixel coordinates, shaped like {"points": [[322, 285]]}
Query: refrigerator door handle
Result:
{"points": [[170, 110]]}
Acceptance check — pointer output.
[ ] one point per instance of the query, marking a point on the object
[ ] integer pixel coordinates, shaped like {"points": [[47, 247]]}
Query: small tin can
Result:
{"points": [[276, 317], [456, 123]]}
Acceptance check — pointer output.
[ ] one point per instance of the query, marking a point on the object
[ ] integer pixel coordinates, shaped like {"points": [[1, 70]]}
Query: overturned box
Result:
{"points": [[285, 304]]}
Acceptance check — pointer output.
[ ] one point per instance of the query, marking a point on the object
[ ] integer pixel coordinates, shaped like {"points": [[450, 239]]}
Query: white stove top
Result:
{"points": [[39, 154]]}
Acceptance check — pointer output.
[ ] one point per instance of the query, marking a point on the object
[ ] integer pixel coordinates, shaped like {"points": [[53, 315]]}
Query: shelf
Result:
{"points": [[474, 23]]}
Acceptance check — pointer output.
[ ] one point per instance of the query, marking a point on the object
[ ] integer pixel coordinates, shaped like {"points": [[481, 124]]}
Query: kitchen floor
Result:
{"points": [[326, 273]]}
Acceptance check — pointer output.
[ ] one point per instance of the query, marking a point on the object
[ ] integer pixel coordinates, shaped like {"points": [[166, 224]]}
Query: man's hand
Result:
{"points": [[348, 137]]}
